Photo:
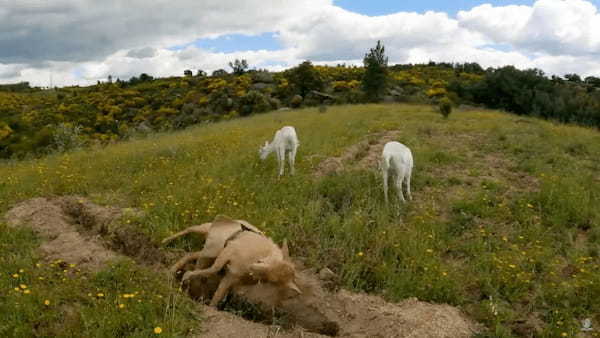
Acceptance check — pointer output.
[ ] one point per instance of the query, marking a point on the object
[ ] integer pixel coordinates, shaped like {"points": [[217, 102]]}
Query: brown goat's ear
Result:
{"points": [[291, 285], [285, 250], [259, 269]]}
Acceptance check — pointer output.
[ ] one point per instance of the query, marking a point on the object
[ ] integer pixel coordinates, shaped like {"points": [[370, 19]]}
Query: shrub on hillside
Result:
{"points": [[254, 102], [305, 78], [66, 137], [445, 107], [296, 101]]}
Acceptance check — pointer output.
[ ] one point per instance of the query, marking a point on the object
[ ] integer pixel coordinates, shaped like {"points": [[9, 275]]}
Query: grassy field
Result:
{"points": [[505, 221]]}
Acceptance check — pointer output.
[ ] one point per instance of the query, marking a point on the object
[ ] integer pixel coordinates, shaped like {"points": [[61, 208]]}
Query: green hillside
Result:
{"points": [[505, 221]]}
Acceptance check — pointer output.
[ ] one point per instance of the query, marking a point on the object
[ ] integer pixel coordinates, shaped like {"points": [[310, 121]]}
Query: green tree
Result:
{"points": [[374, 81], [305, 78], [239, 67], [219, 73]]}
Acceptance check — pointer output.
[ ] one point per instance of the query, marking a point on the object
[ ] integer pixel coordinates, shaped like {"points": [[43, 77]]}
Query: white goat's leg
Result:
{"points": [[385, 182], [223, 288], [399, 179], [409, 174], [281, 160], [292, 159]]}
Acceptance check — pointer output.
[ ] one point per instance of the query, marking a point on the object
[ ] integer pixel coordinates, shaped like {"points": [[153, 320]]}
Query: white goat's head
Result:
{"points": [[263, 152]]}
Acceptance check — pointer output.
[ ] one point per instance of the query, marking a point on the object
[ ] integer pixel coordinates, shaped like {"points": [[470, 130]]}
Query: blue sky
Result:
{"points": [[383, 7], [236, 42]]}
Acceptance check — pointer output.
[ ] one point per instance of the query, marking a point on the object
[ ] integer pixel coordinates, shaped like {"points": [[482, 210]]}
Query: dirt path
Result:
{"points": [[362, 155]]}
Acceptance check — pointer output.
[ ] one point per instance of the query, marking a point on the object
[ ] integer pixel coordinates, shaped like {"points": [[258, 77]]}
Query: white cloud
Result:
{"points": [[62, 30], [555, 27], [82, 42]]}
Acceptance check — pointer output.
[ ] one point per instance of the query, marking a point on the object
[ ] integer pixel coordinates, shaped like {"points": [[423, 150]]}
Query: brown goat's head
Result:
{"points": [[279, 271]]}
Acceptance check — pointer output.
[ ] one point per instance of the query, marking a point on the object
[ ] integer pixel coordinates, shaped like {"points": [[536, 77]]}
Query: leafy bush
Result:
{"points": [[296, 101], [254, 102], [66, 137], [305, 78], [445, 107]]}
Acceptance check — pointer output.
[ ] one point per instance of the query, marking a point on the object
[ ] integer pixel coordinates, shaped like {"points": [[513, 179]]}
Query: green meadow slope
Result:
{"points": [[505, 221]]}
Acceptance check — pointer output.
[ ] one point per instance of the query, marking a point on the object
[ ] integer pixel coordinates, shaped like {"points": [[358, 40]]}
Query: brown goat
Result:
{"points": [[246, 253]]}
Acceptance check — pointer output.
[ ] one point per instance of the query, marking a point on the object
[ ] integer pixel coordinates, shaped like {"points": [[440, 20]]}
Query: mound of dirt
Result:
{"points": [[362, 155], [344, 313], [220, 324], [78, 231], [371, 316], [62, 241]]}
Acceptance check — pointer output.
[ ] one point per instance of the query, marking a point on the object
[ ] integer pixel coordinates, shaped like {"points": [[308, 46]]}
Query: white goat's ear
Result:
{"points": [[285, 250], [266, 143]]}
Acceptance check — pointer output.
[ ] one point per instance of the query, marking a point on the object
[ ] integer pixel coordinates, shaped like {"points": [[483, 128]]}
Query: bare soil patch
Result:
{"points": [[77, 231], [344, 313], [61, 240], [362, 155]]}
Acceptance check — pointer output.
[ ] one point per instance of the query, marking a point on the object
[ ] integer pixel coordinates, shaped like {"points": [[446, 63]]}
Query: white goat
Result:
{"points": [[396, 157], [285, 140]]}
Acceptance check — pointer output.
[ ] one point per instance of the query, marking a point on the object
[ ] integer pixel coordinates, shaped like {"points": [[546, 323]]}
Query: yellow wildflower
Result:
{"points": [[157, 330], [47, 302]]}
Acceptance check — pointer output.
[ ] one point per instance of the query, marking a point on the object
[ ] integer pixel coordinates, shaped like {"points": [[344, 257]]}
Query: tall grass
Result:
{"points": [[504, 222]]}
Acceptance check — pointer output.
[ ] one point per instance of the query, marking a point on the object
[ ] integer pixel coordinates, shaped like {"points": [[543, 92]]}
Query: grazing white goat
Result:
{"points": [[396, 158], [285, 140]]}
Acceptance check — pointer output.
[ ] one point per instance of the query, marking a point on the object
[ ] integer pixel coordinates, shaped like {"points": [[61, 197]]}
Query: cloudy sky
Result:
{"points": [[77, 42]]}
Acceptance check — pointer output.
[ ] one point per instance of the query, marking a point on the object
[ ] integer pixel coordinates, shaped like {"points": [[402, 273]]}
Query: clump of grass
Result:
{"points": [[51, 299]]}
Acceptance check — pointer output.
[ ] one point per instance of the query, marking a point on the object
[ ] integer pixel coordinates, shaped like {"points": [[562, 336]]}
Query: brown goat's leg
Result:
{"points": [[184, 260], [202, 230], [216, 267], [223, 288]]}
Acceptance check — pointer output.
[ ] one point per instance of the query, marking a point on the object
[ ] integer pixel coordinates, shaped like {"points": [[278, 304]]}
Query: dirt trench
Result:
{"points": [[75, 230], [362, 155]]}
